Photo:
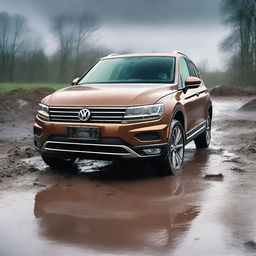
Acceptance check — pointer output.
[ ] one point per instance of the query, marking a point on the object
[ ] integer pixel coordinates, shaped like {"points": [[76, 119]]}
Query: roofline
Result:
{"points": [[181, 53], [173, 54]]}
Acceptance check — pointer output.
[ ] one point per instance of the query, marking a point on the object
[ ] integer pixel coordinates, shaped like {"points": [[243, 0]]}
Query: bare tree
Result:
{"points": [[12, 36], [65, 33], [25, 60], [240, 15], [85, 25], [19, 26], [4, 30], [72, 32]]}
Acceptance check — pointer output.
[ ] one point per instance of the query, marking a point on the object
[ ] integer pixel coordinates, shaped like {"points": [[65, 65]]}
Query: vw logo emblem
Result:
{"points": [[84, 114]]}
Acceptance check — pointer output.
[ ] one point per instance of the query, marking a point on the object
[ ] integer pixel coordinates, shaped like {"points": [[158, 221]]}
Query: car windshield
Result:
{"points": [[148, 69]]}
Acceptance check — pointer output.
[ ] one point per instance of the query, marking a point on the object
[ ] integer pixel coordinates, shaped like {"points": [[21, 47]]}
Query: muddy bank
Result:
{"points": [[227, 91], [17, 112], [21, 105], [249, 106]]}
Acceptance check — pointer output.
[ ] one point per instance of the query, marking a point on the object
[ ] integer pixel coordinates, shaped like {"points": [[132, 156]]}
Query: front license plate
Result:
{"points": [[85, 133]]}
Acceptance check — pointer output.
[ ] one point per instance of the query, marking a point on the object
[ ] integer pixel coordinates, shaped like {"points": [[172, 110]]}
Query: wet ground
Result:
{"points": [[99, 208]]}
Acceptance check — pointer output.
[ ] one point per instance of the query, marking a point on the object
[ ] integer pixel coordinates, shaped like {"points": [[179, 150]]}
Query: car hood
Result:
{"points": [[109, 95]]}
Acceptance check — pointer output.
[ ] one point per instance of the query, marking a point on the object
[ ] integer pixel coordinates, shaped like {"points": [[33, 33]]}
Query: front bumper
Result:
{"points": [[98, 150], [117, 140]]}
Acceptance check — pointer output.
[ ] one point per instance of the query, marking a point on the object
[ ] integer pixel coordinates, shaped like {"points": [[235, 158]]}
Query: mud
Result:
{"points": [[217, 177], [17, 112], [249, 106], [21, 104], [103, 208]]}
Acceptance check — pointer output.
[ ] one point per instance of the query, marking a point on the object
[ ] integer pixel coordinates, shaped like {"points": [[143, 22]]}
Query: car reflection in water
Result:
{"points": [[125, 214]]}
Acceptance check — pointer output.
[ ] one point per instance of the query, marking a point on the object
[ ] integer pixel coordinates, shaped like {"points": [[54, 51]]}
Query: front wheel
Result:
{"points": [[171, 163], [56, 162]]}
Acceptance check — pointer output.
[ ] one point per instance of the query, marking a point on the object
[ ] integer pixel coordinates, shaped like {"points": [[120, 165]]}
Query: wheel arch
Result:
{"points": [[210, 111], [179, 115]]}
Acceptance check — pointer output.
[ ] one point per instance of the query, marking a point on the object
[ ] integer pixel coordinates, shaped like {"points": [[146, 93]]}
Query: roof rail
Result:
{"points": [[180, 53], [112, 54]]}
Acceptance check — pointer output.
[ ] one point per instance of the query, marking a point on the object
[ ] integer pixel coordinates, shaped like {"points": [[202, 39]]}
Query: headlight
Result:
{"points": [[43, 112], [143, 113]]}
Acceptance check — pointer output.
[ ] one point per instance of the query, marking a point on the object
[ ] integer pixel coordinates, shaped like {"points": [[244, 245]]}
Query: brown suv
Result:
{"points": [[146, 106]]}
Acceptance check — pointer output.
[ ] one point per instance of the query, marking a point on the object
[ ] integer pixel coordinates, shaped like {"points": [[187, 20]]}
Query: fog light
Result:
{"points": [[152, 151]]}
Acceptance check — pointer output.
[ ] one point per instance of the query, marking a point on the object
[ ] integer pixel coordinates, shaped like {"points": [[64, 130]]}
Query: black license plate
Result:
{"points": [[85, 133]]}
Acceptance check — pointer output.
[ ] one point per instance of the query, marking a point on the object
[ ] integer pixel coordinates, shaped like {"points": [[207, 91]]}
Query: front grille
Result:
{"points": [[98, 114]]}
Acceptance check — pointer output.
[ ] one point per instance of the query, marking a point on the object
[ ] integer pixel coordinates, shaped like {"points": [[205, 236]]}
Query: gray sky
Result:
{"points": [[191, 26]]}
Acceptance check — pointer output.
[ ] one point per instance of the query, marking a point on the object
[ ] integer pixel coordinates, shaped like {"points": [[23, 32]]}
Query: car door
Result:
{"points": [[201, 91], [189, 98]]}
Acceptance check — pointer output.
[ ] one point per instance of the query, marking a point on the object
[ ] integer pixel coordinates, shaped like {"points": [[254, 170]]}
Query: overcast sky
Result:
{"points": [[191, 26]]}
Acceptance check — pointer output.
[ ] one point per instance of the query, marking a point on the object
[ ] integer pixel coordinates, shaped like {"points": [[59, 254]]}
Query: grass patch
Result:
{"points": [[7, 87]]}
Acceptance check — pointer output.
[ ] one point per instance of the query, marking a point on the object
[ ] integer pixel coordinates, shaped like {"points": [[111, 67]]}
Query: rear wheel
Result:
{"points": [[171, 163], [204, 139], [56, 162]]}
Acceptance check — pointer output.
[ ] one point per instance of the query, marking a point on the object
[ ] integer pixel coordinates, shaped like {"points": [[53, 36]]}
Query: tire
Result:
{"points": [[56, 162], [204, 139], [171, 163]]}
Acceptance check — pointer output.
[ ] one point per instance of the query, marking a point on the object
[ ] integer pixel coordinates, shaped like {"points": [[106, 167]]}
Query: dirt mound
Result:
{"points": [[249, 106], [227, 90], [21, 104]]}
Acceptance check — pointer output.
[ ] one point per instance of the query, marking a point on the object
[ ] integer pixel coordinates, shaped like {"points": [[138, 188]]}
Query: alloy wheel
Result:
{"points": [[176, 154], [208, 130]]}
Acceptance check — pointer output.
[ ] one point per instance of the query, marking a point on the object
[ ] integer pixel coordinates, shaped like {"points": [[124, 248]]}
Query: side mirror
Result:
{"points": [[75, 81], [192, 82]]}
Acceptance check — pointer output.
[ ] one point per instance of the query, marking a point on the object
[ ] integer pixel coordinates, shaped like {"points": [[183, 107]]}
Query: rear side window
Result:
{"points": [[192, 68]]}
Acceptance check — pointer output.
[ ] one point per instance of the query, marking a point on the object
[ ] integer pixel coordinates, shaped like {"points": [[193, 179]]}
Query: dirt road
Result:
{"points": [[105, 209]]}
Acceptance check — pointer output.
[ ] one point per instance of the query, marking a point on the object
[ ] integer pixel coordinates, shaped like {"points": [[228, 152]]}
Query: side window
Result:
{"points": [[184, 72], [192, 68]]}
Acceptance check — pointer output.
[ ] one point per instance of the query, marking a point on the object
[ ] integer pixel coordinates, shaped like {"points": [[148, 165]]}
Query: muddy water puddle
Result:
{"points": [[133, 213]]}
